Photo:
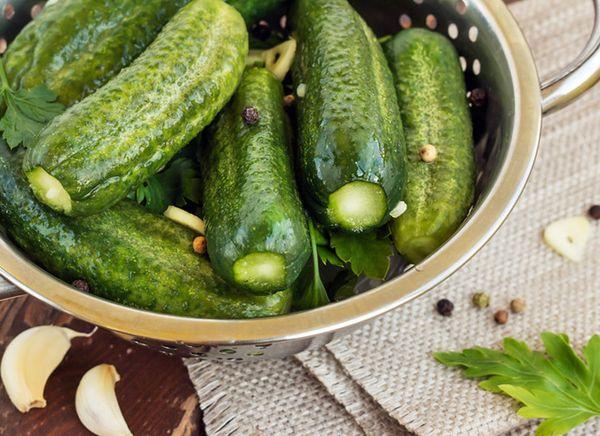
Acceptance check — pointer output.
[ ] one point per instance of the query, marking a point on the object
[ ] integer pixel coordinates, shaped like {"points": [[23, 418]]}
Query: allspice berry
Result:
{"points": [[501, 317], [199, 244], [481, 300], [445, 307], [517, 305], [428, 153], [289, 100]]}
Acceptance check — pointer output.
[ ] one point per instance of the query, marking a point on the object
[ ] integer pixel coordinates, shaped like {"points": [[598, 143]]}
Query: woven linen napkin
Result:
{"points": [[382, 379]]}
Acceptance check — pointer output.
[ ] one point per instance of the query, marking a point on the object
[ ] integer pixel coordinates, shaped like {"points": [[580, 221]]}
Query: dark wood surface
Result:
{"points": [[155, 393]]}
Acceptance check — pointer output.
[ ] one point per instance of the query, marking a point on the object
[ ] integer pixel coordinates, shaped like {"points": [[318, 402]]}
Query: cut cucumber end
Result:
{"points": [[49, 190], [358, 206], [260, 272]]}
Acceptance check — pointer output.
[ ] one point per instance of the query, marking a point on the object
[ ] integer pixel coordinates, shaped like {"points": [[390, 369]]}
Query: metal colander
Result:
{"points": [[495, 57]]}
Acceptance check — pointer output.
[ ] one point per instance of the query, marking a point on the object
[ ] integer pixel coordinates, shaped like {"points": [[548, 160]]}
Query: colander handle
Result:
{"points": [[577, 77]]}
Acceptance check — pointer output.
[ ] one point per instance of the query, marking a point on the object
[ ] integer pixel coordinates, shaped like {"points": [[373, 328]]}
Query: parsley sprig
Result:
{"points": [[27, 111], [315, 294], [558, 386], [358, 254], [177, 185]]}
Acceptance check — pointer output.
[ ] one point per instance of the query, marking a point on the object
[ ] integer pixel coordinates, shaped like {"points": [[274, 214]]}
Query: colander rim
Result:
{"points": [[477, 230]]}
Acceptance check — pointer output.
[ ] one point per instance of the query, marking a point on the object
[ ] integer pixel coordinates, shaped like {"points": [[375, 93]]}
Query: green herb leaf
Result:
{"points": [[328, 256], [176, 185], [315, 294], [364, 252], [27, 111], [558, 386]]}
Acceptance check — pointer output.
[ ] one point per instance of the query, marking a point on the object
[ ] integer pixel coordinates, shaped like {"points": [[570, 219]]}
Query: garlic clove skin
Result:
{"points": [[29, 360], [568, 237], [96, 402]]}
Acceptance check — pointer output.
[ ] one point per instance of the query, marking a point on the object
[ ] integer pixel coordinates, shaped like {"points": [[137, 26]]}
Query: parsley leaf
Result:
{"points": [[325, 253], [558, 386], [315, 294], [27, 111], [176, 185], [328, 256], [364, 252]]}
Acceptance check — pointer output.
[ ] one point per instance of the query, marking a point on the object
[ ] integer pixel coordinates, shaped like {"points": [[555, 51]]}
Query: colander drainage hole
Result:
{"points": [[463, 63], [476, 67], [473, 33], [461, 7], [453, 31], [405, 21], [431, 21]]}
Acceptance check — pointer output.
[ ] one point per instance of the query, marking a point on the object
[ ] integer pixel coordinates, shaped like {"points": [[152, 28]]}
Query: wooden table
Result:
{"points": [[155, 393]]}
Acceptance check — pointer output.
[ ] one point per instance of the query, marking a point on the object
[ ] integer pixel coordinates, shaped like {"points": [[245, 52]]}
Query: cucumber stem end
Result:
{"points": [[358, 206], [260, 272], [49, 190]]}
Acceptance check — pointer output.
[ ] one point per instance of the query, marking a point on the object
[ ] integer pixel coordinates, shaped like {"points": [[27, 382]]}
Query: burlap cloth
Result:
{"points": [[382, 379]]}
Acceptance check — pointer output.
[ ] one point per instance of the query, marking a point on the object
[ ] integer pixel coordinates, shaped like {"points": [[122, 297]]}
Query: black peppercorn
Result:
{"points": [[250, 115], [594, 212], [445, 307], [82, 285], [478, 97]]}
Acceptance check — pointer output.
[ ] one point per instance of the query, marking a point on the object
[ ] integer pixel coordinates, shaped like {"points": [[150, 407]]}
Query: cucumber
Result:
{"points": [[432, 96], [126, 254], [256, 229], [107, 144], [109, 35], [351, 143]]}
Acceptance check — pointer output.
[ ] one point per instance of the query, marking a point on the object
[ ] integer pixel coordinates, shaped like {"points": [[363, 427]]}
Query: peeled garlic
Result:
{"points": [[280, 58], [186, 219], [30, 359], [399, 209], [568, 237], [96, 402]]}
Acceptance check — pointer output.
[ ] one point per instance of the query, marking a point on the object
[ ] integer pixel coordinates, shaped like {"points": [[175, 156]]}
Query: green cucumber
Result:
{"points": [[351, 143], [109, 35], [126, 254], [107, 144], [432, 96], [256, 228]]}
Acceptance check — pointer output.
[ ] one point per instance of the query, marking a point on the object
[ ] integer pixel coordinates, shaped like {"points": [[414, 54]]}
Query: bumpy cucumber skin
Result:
{"points": [[251, 204], [255, 10], [107, 144], [109, 35], [432, 96], [349, 123], [126, 254]]}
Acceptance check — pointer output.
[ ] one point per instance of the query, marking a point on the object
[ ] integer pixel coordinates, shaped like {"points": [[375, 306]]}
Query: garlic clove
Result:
{"points": [[568, 237], [399, 209], [280, 58], [185, 219], [96, 402], [29, 360]]}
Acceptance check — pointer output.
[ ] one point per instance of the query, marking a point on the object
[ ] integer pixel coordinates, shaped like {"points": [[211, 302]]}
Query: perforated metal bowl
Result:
{"points": [[497, 58]]}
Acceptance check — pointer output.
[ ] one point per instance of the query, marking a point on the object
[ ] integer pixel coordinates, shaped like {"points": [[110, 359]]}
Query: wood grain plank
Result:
{"points": [[155, 393]]}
